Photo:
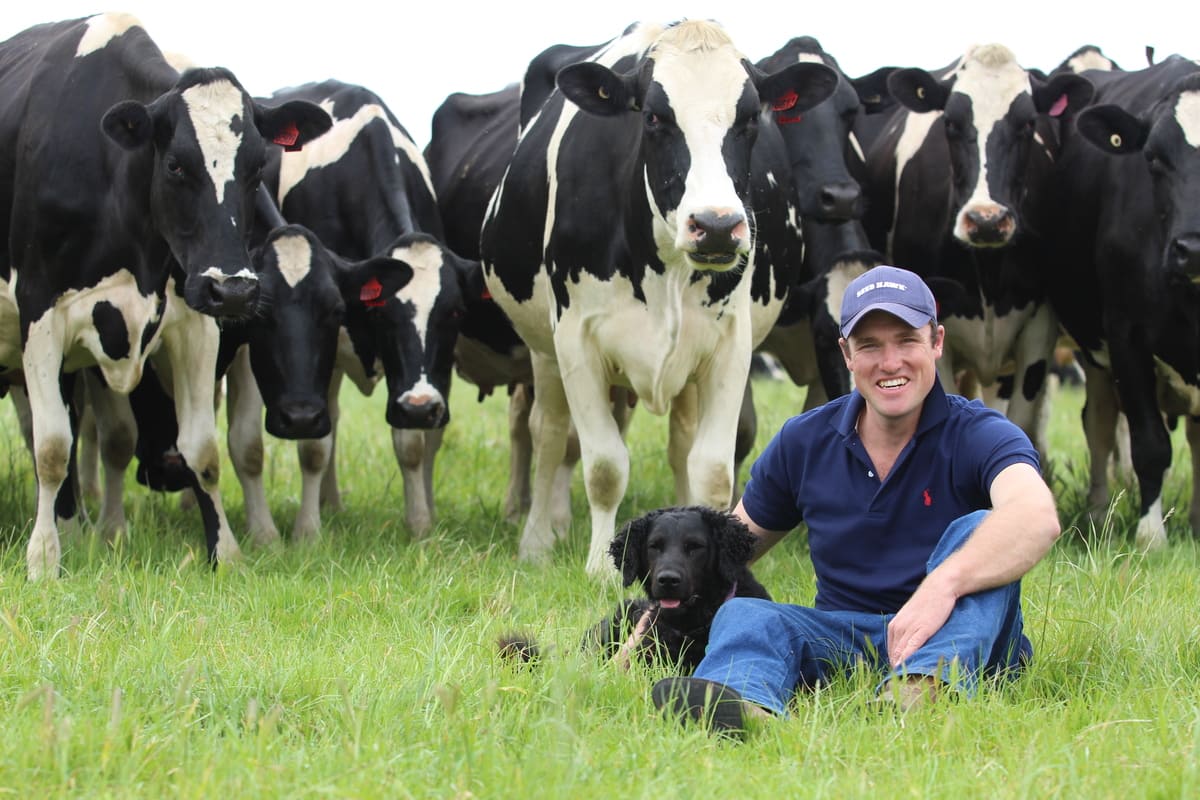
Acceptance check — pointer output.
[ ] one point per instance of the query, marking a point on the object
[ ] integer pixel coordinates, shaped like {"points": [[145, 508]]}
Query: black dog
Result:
{"points": [[689, 561]]}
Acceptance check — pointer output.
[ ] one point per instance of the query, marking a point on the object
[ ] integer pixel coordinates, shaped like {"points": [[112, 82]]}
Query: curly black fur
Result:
{"points": [[689, 560]]}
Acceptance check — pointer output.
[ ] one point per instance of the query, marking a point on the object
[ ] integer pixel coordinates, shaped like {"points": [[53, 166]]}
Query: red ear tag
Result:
{"points": [[370, 292], [1060, 105], [486, 295], [786, 102], [287, 138]]}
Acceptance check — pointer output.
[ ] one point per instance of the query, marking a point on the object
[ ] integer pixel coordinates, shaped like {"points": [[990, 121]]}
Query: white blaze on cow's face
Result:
{"points": [[293, 255], [102, 29], [697, 99], [995, 87], [1187, 114], [422, 291], [212, 109]]}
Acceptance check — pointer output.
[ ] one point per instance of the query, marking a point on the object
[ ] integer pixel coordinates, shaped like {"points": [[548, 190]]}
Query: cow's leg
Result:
{"points": [[87, 450], [409, 445], [520, 452], [719, 395], [243, 413], [1099, 421], [549, 423], [1136, 387], [190, 346], [314, 456], [681, 435], [1033, 355], [116, 434], [747, 431], [331, 494], [42, 363], [1193, 439], [560, 498]]}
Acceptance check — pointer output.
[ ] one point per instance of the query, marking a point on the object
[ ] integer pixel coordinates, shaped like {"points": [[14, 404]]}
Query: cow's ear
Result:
{"points": [[598, 90], [293, 124], [917, 90], [873, 91], [1063, 95], [373, 282], [1113, 129], [796, 88], [129, 124]]}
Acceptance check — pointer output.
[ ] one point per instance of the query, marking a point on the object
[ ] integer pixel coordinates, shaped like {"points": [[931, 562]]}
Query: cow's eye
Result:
{"points": [[173, 166], [653, 121]]}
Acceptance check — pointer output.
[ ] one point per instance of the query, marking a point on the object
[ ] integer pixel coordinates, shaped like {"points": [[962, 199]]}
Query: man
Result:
{"points": [[915, 575]]}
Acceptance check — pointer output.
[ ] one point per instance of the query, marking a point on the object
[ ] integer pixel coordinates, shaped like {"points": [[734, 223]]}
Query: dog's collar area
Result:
{"points": [[732, 592]]}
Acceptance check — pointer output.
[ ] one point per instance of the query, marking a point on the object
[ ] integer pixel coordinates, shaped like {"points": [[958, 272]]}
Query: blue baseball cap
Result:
{"points": [[891, 289]]}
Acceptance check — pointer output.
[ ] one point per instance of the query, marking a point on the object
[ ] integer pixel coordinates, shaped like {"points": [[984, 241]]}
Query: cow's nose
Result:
{"points": [[415, 410], [717, 236], [1185, 254], [838, 202], [232, 297], [303, 419], [992, 225]]}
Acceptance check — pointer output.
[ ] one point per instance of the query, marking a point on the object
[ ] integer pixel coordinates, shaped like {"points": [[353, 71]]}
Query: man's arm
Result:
{"points": [[1020, 530], [766, 538]]}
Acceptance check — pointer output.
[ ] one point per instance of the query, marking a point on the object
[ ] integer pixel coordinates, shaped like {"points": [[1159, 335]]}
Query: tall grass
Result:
{"points": [[364, 665]]}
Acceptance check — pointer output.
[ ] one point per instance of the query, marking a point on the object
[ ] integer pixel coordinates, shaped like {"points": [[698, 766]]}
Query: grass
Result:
{"points": [[364, 665]]}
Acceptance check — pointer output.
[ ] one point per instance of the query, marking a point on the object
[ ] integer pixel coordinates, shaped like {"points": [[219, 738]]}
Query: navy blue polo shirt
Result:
{"points": [[870, 540]]}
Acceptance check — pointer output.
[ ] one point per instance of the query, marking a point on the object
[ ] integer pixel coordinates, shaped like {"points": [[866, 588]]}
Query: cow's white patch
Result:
{"points": [[991, 77], [212, 108], [1187, 114], [1090, 60], [854, 143], [333, 144], [294, 257], [703, 77], [10, 327], [102, 29], [422, 393], [422, 291], [1177, 396], [840, 276]]}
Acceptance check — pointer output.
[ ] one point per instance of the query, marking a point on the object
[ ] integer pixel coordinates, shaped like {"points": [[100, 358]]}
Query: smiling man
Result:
{"points": [[923, 512]]}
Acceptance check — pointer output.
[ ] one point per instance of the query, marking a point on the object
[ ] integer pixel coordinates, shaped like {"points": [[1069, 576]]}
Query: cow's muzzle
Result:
{"points": [[988, 226], [223, 296], [1183, 255], [716, 239]]}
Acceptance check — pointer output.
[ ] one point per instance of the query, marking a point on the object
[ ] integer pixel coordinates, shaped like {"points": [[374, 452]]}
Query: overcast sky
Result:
{"points": [[414, 54]]}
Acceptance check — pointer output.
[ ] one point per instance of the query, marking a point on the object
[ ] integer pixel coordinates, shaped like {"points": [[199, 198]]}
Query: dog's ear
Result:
{"points": [[735, 543], [628, 548]]}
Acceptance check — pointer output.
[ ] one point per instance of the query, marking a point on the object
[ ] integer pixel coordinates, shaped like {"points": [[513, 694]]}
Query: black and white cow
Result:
{"points": [[125, 200], [620, 245], [957, 181], [360, 187], [1126, 266]]}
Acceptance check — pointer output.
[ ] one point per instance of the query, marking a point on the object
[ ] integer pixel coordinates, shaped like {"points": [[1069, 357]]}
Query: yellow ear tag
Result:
{"points": [[1115, 140]]}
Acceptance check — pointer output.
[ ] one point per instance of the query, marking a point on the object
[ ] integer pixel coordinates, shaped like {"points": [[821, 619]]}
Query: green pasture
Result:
{"points": [[364, 666]]}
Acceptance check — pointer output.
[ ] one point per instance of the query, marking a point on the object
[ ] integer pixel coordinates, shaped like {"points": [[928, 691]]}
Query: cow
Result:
{"points": [[1125, 267], [957, 184], [360, 187], [124, 199], [620, 245]]}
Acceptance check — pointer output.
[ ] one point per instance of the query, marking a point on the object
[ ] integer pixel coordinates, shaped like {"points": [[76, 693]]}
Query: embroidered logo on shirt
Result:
{"points": [[928, 500]]}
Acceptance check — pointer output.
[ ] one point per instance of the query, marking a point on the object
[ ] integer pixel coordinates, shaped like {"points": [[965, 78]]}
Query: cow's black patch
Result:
{"points": [[110, 325]]}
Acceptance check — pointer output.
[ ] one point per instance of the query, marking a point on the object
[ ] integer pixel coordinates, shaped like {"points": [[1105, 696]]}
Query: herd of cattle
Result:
{"points": [[630, 221]]}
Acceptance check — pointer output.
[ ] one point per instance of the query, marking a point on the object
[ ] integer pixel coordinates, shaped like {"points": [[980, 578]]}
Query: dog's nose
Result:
{"points": [[667, 581]]}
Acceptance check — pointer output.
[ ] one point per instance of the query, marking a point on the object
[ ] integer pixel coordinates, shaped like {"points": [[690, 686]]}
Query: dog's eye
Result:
{"points": [[692, 547], [654, 547]]}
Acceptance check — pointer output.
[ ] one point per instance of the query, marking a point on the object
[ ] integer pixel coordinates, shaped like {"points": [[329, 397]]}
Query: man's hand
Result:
{"points": [[920, 618]]}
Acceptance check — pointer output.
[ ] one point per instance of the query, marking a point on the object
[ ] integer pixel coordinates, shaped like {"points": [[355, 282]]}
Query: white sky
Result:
{"points": [[414, 54]]}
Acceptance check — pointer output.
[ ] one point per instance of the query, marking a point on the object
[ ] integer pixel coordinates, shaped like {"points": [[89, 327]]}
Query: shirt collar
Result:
{"points": [[933, 411]]}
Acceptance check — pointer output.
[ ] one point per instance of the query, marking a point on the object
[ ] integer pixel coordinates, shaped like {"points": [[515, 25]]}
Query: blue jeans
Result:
{"points": [[766, 650]]}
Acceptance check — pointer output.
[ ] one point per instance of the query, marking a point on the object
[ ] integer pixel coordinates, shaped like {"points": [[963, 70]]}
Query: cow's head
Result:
{"points": [[1169, 139], [415, 331], [203, 142], [991, 112], [699, 101], [821, 147], [305, 294]]}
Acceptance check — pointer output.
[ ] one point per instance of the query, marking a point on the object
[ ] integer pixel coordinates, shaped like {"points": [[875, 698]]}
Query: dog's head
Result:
{"points": [[683, 555]]}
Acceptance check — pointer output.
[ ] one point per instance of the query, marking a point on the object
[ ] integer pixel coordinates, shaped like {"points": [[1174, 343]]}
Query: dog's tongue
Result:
{"points": [[669, 603]]}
